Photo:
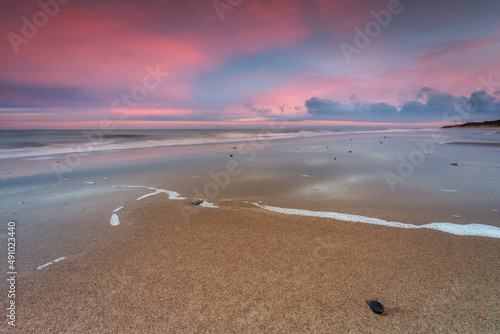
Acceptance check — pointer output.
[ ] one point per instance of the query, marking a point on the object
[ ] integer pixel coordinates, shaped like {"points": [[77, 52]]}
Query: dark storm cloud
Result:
{"points": [[428, 105], [432, 102], [319, 108]]}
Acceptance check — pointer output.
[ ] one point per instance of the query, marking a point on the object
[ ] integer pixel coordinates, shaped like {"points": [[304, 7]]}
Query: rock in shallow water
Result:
{"points": [[376, 307]]}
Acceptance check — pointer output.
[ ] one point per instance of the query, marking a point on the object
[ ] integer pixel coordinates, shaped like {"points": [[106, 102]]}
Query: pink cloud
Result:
{"points": [[103, 49]]}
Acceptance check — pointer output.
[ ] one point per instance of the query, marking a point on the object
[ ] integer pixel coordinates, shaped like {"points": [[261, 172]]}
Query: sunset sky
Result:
{"points": [[237, 64]]}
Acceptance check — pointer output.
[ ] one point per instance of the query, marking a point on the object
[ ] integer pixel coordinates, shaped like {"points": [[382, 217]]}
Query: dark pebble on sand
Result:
{"points": [[231, 155], [198, 202], [454, 164], [376, 307], [350, 151]]}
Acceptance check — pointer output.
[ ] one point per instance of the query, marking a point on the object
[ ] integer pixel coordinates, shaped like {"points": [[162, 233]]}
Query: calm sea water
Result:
{"points": [[40, 143], [37, 143]]}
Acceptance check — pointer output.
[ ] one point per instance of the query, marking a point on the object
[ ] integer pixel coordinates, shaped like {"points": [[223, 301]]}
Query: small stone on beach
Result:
{"points": [[198, 202], [376, 307], [454, 164]]}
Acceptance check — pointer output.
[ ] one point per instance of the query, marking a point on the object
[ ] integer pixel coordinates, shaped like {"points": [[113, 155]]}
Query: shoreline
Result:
{"points": [[480, 230]]}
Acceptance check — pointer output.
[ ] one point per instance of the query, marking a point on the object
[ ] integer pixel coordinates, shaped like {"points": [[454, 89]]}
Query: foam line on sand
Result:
{"points": [[479, 230], [51, 262], [118, 209], [171, 194], [457, 229], [208, 205]]}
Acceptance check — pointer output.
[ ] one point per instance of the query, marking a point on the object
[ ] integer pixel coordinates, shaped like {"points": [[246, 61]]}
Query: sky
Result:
{"points": [[244, 63]]}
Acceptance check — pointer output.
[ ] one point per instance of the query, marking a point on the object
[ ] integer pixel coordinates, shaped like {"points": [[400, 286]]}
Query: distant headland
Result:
{"points": [[486, 124]]}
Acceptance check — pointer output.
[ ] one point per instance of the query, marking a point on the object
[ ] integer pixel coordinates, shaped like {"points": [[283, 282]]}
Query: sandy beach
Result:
{"points": [[174, 267], [166, 265]]}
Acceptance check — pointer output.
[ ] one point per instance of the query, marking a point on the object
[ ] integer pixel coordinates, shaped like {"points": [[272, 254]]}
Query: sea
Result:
{"points": [[44, 144]]}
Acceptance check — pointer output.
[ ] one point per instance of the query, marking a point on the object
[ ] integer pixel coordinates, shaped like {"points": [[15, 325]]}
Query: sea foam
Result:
{"points": [[115, 220], [456, 229], [171, 194], [51, 262]]}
